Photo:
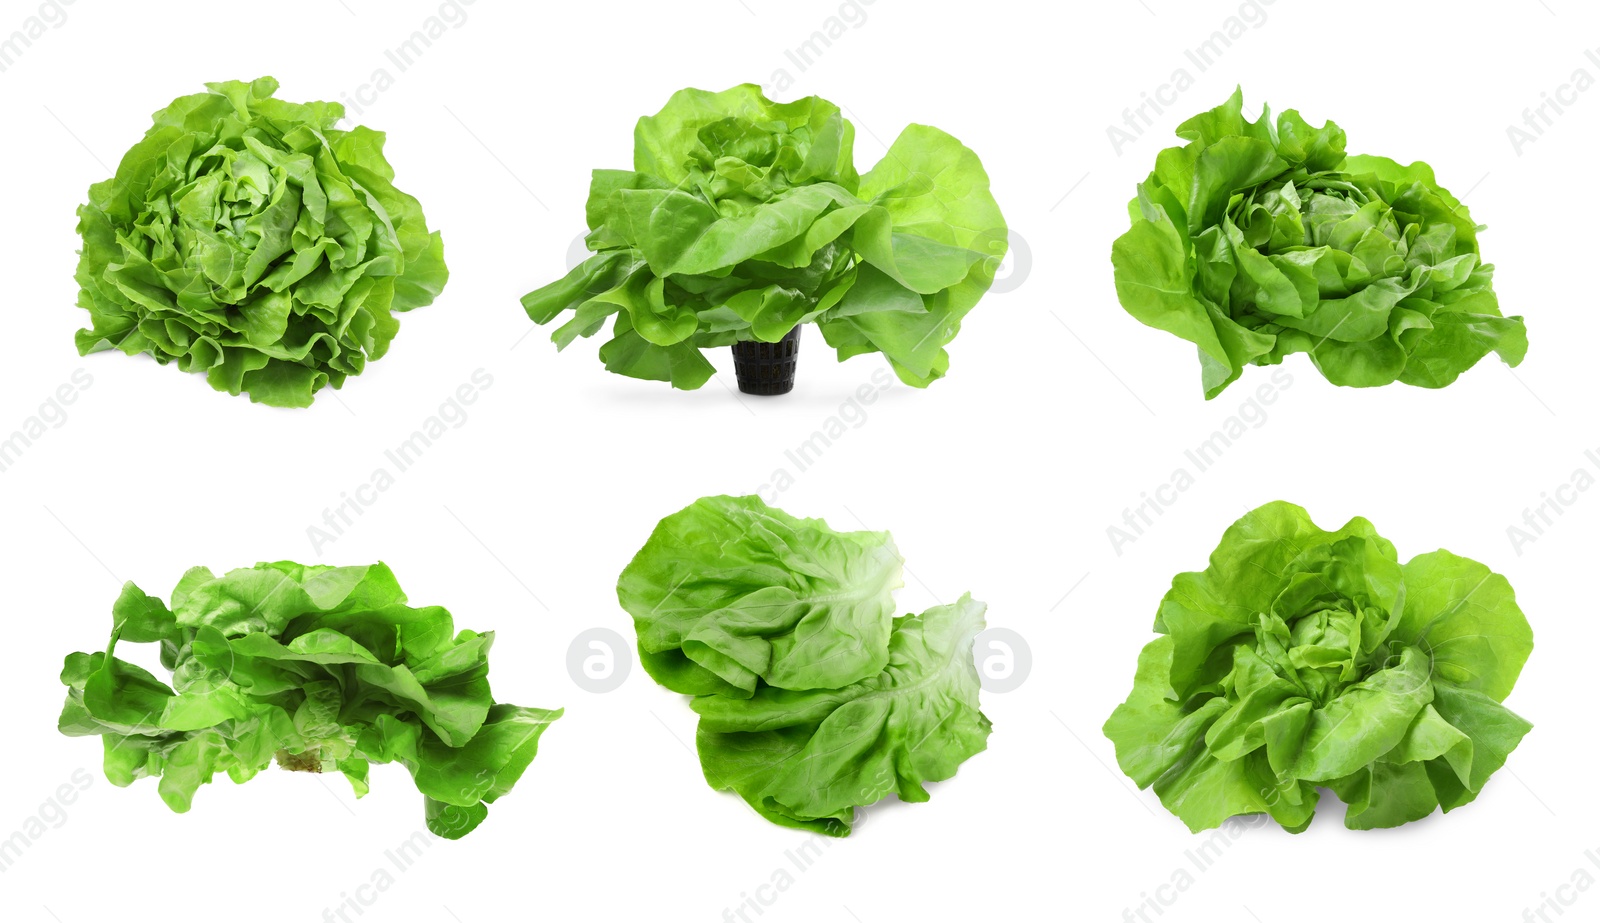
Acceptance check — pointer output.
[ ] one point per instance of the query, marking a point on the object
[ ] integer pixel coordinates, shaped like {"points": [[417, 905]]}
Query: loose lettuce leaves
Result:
{"points": [[325, 669], [248, 239], [1303, 659], [743, 218], [814, 699], [1261, 239], [807, 759]]}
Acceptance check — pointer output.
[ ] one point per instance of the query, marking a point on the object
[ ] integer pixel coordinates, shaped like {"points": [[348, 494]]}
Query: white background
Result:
{"points": [[1059, 413]]}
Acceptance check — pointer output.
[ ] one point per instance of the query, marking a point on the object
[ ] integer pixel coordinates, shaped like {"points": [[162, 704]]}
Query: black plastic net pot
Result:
{"points": [[767, 368]]}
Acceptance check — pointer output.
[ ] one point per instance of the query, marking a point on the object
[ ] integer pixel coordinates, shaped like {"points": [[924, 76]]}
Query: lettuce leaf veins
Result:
{"points": [[1303, 659], [1261, 239], [323, 669], [248, 239]]}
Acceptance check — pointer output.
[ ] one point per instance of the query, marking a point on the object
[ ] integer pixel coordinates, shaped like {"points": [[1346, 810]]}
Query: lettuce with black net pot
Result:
{"points": [[1304, 659], [743, 219], [248, 239], [1262, 239], [321, 669]]}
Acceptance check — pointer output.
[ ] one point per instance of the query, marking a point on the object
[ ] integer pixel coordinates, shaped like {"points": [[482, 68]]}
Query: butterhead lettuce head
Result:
{"points": [[1261, 239], [321, 669], [814, 698], [1305, 659], [248, 239], [743, 218]]}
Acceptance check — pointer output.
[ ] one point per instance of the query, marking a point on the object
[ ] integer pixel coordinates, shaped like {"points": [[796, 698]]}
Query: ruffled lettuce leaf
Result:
{"points": [[1260, 239], [744, 218], [248, 239], [322, 669], [1304, 659]]}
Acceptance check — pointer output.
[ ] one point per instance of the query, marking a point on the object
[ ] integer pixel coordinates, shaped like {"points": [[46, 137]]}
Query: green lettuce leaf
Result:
{"points": [[1261, 239], [1304, 659], [730, 592], [323, 669], [808, 759], [744, 218], [814, 699], [248, 239]]}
